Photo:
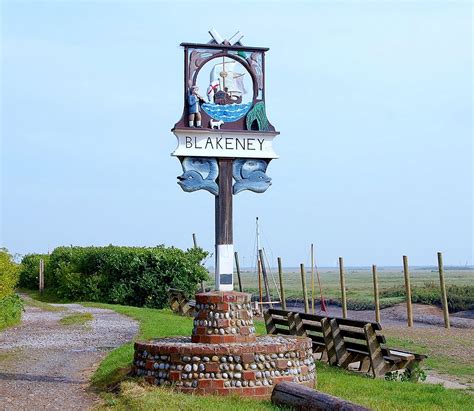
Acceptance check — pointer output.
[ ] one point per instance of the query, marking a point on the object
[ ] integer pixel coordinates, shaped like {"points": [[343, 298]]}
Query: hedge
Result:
{"points": [[138, 276], [10, 304]]}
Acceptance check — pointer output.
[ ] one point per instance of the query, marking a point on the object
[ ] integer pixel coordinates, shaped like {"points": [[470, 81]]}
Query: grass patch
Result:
{"points": [[153, 323], [135, 396], [76, 319], [7, 355], [377, 394], [33, 302], [48, 296], [390, 395], [445, 355]]}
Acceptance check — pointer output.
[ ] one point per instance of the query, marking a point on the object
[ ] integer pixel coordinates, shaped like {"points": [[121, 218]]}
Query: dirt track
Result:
{"points": [[46, 365]]}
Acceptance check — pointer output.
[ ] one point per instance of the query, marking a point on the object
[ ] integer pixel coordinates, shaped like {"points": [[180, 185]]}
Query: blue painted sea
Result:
{"points": [[227, 113]]}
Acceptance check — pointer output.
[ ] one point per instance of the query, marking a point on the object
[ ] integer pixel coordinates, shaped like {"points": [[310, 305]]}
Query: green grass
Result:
{"points": [[390, 395], [76, 319], [438, 360], [153, 323], [136, 396], [41, 305], [47, 297], [377, 394]]}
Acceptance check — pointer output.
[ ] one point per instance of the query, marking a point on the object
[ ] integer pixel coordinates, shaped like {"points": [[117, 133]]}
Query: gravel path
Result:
{"points": [[47, 365]]}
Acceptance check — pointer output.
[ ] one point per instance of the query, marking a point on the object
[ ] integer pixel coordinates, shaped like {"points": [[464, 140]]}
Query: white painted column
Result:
{"points": [[224, 267]]}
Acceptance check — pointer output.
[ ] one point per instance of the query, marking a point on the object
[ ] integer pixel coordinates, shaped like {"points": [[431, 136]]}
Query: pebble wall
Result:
{"points": [[223, 355]]}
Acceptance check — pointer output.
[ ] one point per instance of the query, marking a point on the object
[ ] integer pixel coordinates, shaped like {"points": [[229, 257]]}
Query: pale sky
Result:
{"points": [[373, 101]]}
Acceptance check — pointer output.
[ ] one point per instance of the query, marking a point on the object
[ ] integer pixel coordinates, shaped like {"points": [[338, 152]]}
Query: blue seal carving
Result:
{"points": [[249, 174], [199, 174]]}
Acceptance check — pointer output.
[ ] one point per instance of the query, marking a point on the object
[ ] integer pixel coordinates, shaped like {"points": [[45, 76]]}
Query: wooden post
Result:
{"points": [[312, 278], [444, 297], [224, 233], [41, 276], [290, 395], [237, 266], [305, 294], [343, 287], [260, 292], [408, 291], [376, 293], [195, 244], [282, 289], [265, 277]]}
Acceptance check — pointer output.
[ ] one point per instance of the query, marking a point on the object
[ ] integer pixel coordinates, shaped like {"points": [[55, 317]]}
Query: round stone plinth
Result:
{"points": [[246, 369], [223, 317]]}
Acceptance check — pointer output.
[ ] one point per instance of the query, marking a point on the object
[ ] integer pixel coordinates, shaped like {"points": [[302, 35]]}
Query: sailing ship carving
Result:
{"points": [[226, 86], [226, 90]]}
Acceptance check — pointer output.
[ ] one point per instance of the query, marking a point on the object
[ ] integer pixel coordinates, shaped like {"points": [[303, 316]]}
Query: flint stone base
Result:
{"points": [[223, 317], [245, 369]]}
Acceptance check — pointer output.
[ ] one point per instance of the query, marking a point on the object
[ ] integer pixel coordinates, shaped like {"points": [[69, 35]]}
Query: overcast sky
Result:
{"points": [[373, 101]]}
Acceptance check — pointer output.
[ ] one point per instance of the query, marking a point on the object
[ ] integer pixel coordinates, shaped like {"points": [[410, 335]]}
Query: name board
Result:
{"points": [[205, 143]]}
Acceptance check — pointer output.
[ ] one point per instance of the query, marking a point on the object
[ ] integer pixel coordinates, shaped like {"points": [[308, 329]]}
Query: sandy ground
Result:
{"points": [[47, 366]]}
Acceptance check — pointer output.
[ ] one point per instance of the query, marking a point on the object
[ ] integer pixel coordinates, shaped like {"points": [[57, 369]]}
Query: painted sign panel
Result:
{"points": [[205, 143]]}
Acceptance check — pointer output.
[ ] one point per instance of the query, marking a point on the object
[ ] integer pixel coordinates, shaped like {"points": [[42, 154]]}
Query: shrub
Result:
{"points": [[10, 303], [139, 276], [8, 274], [11, 307]]}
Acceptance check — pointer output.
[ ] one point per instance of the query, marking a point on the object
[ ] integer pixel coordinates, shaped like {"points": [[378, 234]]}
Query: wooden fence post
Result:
{"points": [[282, 288], [41, 276], [343, 287], [312, 278], [265, 277], [260, 292], [376, 293], [305, 294], [444, 297], [237, 266], [408, 291]]}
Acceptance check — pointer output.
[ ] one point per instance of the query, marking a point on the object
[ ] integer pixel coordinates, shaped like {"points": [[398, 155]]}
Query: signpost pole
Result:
{"points": [[224, 234]]}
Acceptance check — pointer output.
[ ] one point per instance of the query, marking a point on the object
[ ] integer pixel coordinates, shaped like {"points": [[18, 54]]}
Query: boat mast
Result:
{"points": [[223, 73], [259, 265]]}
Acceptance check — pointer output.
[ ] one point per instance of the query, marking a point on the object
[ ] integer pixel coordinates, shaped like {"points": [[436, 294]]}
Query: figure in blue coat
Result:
{"points": [[193, 107]]}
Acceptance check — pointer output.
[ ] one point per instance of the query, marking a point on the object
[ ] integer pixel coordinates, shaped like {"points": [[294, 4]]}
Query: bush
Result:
{"points": [[8, 274], [10, 303], [10, 310], [29, 270], [122, 275]]}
